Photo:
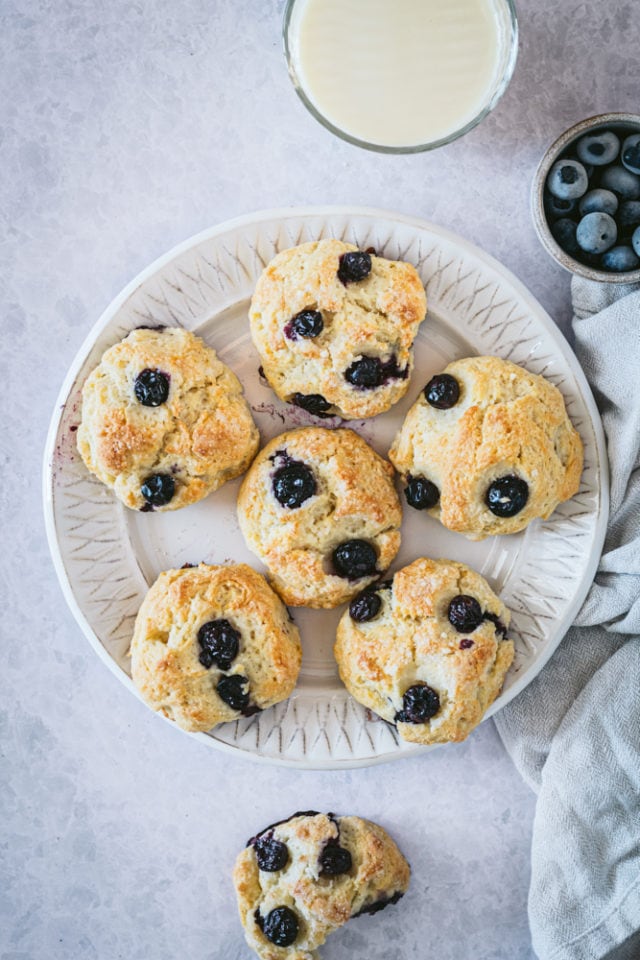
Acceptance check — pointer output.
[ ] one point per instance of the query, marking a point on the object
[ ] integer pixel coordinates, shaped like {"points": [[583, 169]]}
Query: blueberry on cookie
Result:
{"points": [[212, 644], [164, 422], [487, 448], [334, 327], [301, 879], [320, 509], [431, 654]]}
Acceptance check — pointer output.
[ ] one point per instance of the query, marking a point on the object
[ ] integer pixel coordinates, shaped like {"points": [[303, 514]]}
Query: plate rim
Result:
{"points": [[344, 210]]}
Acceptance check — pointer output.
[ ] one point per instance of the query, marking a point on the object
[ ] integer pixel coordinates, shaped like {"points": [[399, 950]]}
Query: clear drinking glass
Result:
{"points": [[508, 51]]}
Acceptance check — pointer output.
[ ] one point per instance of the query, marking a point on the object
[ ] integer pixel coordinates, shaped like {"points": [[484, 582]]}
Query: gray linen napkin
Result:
{"points": [[574, 733]]}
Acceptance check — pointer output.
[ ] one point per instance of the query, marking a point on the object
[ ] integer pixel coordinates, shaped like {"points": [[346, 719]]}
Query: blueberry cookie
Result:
{"points": [[213, 644], [426, 651], [320, 509], [487, 448], [164, 422], [334, 327], [299, 880]]}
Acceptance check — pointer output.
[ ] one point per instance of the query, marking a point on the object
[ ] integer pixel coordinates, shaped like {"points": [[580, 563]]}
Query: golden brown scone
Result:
{"points": [[320, 509], [164, 422], [299, 880], [213, 644], [487, 448], [426, 651], [329, 342]]}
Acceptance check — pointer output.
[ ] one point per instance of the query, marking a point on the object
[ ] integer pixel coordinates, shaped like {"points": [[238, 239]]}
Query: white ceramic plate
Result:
{"points": [[106, 556]]}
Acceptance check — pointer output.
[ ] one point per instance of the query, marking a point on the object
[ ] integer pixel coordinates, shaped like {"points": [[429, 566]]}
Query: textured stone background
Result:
{"points": [[125, 127]]}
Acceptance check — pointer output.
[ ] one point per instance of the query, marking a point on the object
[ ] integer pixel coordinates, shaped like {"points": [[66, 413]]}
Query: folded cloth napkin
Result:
{"points": [[574, 733]]}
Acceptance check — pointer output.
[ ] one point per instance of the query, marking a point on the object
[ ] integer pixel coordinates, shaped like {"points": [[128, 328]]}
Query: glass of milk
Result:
{"points": [[400, 76]]}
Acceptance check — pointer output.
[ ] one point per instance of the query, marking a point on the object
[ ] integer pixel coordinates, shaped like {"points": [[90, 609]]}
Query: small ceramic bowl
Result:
{"points": [[622, 123]]}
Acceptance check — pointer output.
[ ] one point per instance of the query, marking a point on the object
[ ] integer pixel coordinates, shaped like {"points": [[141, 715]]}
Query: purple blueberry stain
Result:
{"points": [[379, 904], [278, 823], [497, 622]]}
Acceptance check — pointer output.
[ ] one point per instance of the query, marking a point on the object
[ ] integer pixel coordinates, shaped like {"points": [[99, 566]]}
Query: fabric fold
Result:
{"points": [[574, 732]]}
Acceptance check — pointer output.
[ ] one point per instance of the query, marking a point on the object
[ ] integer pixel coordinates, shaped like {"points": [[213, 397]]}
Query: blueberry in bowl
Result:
{"points": [[630, 155], [598, 201], [628, 218], [598, 148], [596, 232], [567, 180], [622, 258], [556, 207], [586, 198], [564, 232], [621, 181]]}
